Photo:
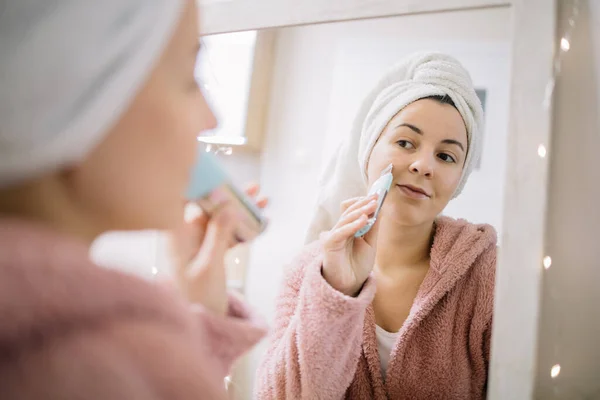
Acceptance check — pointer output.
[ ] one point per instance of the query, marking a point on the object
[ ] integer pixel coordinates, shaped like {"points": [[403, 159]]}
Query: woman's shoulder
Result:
{"points": [[91, 322], [471, 243], [471, 251], [49, 284], [462, 227]]}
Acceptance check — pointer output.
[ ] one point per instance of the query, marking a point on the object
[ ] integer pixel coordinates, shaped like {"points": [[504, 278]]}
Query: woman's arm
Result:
{"points": [[229, 337], [316, 343], [122, 358]]}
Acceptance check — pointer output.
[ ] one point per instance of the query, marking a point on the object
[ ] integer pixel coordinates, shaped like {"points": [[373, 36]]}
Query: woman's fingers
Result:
{"points": [[365, 201], [349, 202], [191, 211], [253, 190], [354, 202], [355, 216], [352, 216], [216, 241], [339, 236], [357, 203], [189, 239], [196, 228], [262, 202], [185, 240]]}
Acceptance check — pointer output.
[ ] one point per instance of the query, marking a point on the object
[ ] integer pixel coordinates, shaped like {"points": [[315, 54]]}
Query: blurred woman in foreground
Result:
{"points": [[99, 113]]}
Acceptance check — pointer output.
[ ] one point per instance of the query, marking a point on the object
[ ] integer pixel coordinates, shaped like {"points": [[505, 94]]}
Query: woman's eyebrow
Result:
{"points": [[410, 126], [456, 142], [420, 132]]}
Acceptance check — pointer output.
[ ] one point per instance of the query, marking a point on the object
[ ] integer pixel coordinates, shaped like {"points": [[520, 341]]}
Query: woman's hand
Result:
{"points": [[348, 261], [199, 250]]}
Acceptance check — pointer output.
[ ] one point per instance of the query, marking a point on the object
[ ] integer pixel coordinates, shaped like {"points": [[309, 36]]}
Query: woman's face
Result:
{"points": [[136, 178], [426, 142]]}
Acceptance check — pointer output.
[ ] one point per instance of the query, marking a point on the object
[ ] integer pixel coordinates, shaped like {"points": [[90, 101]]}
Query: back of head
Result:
{"points": [[100, 97], [69, 69]]}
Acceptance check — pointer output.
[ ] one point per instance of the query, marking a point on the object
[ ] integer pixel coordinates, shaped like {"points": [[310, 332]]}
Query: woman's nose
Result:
{"points": [[423, 164]]}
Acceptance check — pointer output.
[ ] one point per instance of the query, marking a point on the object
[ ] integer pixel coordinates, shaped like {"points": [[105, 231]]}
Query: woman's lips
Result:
{"points": [[412, 192]]}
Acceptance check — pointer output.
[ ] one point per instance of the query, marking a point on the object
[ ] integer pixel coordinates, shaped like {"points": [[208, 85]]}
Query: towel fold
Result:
{"points": [[68, 71]]}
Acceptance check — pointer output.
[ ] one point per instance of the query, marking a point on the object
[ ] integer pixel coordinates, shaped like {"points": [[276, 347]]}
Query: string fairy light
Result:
{"points": [[563, 46], [547, 262], [555, 371], [542, 151]]}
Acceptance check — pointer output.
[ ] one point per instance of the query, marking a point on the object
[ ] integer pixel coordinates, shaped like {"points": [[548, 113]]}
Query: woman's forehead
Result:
{"points": [[429, 117]]}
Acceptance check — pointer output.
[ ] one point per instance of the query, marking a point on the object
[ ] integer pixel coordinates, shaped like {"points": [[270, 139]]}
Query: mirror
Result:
{"points": [[310, 83], [321, 73]]}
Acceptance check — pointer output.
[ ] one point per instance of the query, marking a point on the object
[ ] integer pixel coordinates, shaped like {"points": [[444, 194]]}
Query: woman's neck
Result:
{"points": [[45, 203], [403, 246]]}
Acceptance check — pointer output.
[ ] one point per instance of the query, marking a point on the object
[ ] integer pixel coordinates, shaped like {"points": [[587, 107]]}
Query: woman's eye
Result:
{"points": [[446, 158], [405, 144]]}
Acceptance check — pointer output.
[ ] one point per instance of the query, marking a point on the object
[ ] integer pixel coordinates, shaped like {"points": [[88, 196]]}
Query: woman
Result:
{"points": [[425, 332], [99, 113]]}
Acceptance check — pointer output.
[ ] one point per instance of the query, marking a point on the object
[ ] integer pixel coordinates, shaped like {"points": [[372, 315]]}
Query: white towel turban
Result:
{"points": [[68, 70], [415, 77]]}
